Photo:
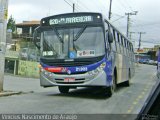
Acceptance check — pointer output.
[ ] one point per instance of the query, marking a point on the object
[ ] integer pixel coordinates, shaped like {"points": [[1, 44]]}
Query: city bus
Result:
{"points": [[83, 50]]}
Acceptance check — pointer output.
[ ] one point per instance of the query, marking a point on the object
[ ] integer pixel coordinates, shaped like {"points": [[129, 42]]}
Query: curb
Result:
{"points": [[9, 93]]}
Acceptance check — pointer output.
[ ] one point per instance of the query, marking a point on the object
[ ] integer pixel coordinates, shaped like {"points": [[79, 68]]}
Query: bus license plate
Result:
{"points": [[69, 79]]}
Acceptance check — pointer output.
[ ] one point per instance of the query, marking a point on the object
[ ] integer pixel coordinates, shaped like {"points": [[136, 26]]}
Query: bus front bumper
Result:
{"points": [[78, 80]]}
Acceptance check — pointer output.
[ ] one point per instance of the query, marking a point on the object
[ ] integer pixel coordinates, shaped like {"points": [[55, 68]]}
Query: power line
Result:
{"points": [[127, 5], [156, 42], [75, 6], [116, 14], [149, 24], [71, 5], [84, 6], [103, 5], [118, 19], [95, 4], [68, 3], [122, 5]]}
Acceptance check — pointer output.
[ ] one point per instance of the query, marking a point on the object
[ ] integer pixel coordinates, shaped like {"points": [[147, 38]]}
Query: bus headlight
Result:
{"points": [[97, 70], [46, 73]]}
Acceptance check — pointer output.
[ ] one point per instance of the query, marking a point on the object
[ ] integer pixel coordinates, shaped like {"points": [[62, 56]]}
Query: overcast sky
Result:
{"points": [[147, 19]]}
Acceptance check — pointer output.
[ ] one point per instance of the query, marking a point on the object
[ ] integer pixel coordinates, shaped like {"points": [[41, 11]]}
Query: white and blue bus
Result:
{"points": [[83, 50]]}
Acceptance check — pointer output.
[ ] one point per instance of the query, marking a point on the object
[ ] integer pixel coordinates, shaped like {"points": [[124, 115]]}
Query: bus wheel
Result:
{"points": [[127, 83], [63, 89], [112, 89]]}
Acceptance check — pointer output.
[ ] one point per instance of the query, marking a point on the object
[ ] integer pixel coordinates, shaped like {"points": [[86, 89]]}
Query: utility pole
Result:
{"points": [[130, 37], [3, 27], [128, 20], [140, 37], [110, 8], [73, 7]]}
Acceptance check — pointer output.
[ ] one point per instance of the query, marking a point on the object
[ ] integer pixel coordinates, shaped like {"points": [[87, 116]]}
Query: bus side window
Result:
{"points": [[125, 47], [114, 36], [36, 37], [119, 43], [132, 52], [106, 39], [129, 48], [122, 41]]}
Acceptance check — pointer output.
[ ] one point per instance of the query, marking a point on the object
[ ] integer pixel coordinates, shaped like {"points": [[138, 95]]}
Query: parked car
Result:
{"points": [[140, 60], [151, 62], [24, 54], [144, 61], [33, 56], [29, 54]]}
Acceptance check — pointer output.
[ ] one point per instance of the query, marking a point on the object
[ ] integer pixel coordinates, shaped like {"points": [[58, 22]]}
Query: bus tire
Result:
{"points": [[112, 89], [63, 89], [127, 83]]}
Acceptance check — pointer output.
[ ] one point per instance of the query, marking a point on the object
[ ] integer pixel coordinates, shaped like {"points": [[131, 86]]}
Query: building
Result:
{"points": [[24, 31], [26, 28], [149, 52], [20, 41]]}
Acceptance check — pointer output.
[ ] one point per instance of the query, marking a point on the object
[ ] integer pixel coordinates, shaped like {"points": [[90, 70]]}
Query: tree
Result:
{"points": [[11, 24]]}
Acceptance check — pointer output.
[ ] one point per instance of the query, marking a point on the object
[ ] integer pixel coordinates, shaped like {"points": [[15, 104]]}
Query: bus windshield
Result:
{"points": [[71, 43]]}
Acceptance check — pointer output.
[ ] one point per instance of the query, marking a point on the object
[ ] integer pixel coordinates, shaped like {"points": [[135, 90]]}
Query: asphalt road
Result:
{"points": [[35, 99]]}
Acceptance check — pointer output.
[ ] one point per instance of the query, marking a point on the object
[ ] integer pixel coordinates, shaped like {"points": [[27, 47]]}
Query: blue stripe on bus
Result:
{"points": [[87, 68], [78, 69], [108, 70]]}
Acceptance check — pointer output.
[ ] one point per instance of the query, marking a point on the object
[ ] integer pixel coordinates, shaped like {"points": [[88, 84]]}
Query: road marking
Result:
{"points": [[145, 89], [140, 96], [153, 76], [143, 93], [137, 99], [135, 102], [129, 111]]}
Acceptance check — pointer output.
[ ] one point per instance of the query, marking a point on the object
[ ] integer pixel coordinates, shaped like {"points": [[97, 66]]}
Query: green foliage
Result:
{"points": [[11, 24]]}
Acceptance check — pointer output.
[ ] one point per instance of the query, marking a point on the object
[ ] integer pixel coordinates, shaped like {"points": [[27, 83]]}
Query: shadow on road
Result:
{"points": [[88, 93]]}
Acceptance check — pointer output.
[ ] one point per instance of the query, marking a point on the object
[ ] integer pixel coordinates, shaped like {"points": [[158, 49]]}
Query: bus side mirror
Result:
{"points": [[110, 37], [36, 38]]}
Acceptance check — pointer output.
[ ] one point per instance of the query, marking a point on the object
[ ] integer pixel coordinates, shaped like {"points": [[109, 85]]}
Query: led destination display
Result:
{"points": [[70, 20]]}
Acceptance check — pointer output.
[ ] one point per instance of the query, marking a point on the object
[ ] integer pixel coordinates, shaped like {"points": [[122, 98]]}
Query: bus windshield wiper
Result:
{"points": [[79, 33], [58, 35]]}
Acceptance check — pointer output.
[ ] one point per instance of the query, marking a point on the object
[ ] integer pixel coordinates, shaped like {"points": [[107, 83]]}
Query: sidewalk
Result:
{"points": [[15, 85], [9, 93]]}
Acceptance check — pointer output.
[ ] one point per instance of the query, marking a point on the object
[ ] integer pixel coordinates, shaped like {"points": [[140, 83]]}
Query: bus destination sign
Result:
{"points": [[71, 20]]}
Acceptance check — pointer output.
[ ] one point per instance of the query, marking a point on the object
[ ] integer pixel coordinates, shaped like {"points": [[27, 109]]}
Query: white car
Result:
{"points": [[151, 62]]}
